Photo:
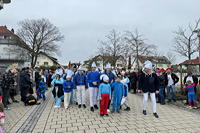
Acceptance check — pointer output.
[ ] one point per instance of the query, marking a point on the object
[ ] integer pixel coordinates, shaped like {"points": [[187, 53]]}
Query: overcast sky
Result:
{"points": [[84, 22]]}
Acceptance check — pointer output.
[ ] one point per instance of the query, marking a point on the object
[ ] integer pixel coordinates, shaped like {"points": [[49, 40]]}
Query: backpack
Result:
{"points": [[30, 100]]}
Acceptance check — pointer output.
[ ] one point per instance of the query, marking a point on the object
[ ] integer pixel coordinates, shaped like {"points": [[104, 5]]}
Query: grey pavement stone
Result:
{"points": [[75, 120]]}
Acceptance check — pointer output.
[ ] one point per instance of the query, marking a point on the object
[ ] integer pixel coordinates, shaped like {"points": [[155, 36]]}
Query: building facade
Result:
{"points": [[10, 50]]}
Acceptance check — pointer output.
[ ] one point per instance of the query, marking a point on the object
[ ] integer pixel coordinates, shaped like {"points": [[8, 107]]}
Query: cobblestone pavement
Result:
{"points": [[75, 120]]}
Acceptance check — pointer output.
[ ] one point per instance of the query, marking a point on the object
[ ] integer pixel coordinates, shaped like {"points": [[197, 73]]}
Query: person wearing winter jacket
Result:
{"points": [[161, 77], [68, 86], [93, 79], [57, 91], [80, 82], [117, 94], [170, 81], [148, 84]]}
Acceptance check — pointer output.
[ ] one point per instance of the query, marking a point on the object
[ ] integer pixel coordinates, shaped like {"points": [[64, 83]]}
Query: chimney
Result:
{"points": [[5, 26], [13, 31]]}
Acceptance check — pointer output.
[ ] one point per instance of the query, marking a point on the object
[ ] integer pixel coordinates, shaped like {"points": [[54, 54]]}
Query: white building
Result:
{"points": [[13, 50], [10, 50], [44, 60]]}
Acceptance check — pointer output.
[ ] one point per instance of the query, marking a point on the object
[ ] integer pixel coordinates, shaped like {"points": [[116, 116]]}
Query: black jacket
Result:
{"points": [[25, 81], [174, 78], [148, 83], [60, 91], [37, 76], [7, 81], [162, 81]]}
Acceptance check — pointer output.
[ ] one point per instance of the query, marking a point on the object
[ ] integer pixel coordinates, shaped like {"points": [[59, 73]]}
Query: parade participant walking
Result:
{"points": [[118, 94], [68, 86], [125, 80], [58, 92], [7, 83], [69, 72], [109, 73], [170, 81], [104, 95], [148, 83], [112, 77], [80, 82], [93, 78]]}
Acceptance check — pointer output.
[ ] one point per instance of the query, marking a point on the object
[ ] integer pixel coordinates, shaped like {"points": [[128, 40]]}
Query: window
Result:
{"points": [[46, 63]]}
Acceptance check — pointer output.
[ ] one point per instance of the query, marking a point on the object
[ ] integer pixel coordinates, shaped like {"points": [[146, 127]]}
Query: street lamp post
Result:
{"points": [[198, 35]]}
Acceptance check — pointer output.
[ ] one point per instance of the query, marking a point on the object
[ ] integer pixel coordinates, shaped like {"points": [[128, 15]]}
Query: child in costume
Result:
{"points": [[118, 94], [2, 118], [190, 87], [68, 86], [124, 101], [41, 90], [104, 95]]}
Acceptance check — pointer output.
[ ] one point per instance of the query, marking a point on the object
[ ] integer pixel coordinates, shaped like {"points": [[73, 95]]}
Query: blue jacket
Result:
{"points": [[117, 89], [42, 87], [80, 79], [104, 89], [93, 77], [125, 82], [57, 81], [68, 86], [111, 76]]}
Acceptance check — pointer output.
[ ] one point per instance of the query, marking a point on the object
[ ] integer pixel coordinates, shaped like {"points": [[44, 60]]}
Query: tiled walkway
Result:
{"points": [[172, 119]]}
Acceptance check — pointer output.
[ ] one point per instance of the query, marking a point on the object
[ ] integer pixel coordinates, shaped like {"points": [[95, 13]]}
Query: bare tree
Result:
{"points": [[185, 40], [137, 45], [40, 36], [112, 46], [171, 57]]}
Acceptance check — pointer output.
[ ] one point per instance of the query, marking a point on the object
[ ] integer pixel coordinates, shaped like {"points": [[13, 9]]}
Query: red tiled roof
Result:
{"points": [[193, 61], [5, 31]]}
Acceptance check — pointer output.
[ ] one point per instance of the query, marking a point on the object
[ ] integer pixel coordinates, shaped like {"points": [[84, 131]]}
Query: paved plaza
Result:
{"points": [[45, 118]]}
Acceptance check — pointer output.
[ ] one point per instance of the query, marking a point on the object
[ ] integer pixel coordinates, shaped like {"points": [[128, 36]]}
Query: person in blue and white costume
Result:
{"points": [[125, 80], [57, 91], [93, 79], [69, 72], [109, 73], [112, 77], [80, 82]]}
